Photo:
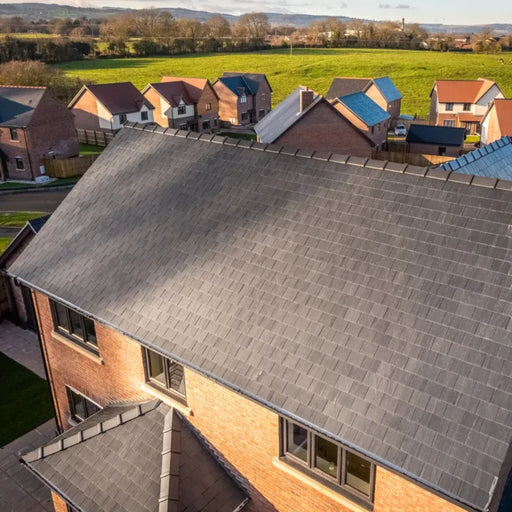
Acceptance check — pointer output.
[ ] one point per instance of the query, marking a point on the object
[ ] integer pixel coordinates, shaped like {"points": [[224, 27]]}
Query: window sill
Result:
{"points": [[75, 346], [318, 486], [166, 399]]}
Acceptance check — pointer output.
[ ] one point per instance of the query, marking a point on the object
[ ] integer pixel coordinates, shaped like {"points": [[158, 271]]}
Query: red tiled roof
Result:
{"points": [[462, 91], [504, 114], [194, 86], [173, 92], [468, 117], [120, 97]]}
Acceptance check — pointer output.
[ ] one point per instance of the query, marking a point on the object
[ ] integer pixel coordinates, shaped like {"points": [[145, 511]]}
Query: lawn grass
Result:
{"points": [[13, 185], [17, 219], [413, 72], [90, 149], [4, 242], [26, 401], [237, 135]]}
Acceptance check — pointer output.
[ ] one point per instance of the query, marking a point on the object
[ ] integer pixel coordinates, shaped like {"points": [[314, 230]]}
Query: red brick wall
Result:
{"points": [[14, 148], [392, 108], [58, 503], [208, 96], [245, 433], [154, 98], [323, 129], [85, 112], [493, 130], [263, 100]]}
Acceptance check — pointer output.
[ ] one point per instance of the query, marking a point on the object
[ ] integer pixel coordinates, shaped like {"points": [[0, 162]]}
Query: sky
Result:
{"points": [[453, 12]]}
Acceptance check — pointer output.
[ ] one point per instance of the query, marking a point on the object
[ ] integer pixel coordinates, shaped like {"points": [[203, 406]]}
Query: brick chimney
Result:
{"points": [[306, 98]]}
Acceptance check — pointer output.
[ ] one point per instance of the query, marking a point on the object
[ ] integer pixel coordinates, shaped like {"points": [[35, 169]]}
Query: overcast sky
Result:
{"points": [[428, 11]]}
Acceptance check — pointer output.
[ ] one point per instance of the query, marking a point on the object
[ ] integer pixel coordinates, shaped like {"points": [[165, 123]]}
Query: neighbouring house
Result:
{"points": [[493, 161], [497, 121], [435, 140], [306, 120], [365, 115], [335, 333], [34, 126], [462, 103], [381, 90], [15, 300], [106, 107], [206, 102], [244, 98]]}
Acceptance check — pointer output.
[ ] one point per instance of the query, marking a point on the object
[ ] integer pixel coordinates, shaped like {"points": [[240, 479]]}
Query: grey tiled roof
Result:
{"points": [[18, 104], [142, 457], [372, 305], [493, 161]]}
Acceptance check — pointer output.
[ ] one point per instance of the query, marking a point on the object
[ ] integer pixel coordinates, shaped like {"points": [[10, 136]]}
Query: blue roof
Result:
{"points": [[387, 88], [364, 108], [493, 161], [240, 85]]}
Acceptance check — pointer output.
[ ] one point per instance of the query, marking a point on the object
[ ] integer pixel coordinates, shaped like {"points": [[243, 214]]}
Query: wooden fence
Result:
{"points": [[96, 138], [67, 167], [411, 158]]}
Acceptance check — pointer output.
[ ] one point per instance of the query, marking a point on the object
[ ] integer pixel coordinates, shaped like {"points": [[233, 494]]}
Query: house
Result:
{"points": [[106, 107], [307, 120], [435, 140], [15, 301], [334, 329], [492, 161], [206, 102], [244, 98], [381, 90], [366, 116], [34, 126], [462, 103], [497, 121]]}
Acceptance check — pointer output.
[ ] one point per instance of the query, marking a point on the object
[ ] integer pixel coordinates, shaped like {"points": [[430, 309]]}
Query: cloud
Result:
{"points": [[343, 5], [389, 6], [385, 6], [403, 6]]}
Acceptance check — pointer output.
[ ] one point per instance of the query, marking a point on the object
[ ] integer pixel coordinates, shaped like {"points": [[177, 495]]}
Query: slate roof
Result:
{"points": [[255, 77], [18, 104], [173, 92], [345, 86], [142, 458], [372, 305], [387, 88], [364, 108], [283, 116], [240, 85], [117, 98], [437, 135], [462, 91], [493, 161]]}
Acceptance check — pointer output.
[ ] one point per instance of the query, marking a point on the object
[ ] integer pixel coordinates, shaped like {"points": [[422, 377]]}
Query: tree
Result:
{"points": [[152, 23], [254, 25], [190, 30], [35, 73], [216, 27]]}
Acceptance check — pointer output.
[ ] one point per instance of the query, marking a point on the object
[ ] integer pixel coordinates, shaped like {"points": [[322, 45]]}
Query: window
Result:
{"points": [[449, 122], [206, 125], [183, 126], [144, 116], [467, 106], [164, 372], [122, 118], [80, 406], [243, 99], [441, 150], [14, 133], [328, 460], [19, 163], [182, 109], [208, 106], [449, 106], [263, 96], [244, 116], [74, 326]]}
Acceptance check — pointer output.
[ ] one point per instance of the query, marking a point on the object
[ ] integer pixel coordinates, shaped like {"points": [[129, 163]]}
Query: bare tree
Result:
{"points": [[254, 25], [216, 27]]}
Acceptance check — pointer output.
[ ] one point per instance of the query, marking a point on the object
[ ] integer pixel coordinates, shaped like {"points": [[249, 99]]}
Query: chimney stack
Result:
{"points": [[306, 98]]}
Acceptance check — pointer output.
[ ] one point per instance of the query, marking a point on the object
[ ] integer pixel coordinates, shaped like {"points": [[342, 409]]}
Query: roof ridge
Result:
{"points": [[90, 432], [326, 156], [171, 451]]}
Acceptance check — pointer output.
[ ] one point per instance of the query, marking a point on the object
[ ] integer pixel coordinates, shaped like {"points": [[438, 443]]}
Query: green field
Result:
{"points": [[413, 72], [17, 219]]}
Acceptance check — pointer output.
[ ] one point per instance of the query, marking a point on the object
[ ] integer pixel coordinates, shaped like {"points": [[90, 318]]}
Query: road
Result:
{"points": [[33, 201]]}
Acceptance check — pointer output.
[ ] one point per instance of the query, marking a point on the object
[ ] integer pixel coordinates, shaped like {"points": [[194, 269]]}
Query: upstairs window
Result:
{"points": [[14, 133], [208, 106], [74, 326], [182, 109], [449, 106], [165, 373], [243, 99], [144, 116], [467, 106], [327, 460], [80, 406]]}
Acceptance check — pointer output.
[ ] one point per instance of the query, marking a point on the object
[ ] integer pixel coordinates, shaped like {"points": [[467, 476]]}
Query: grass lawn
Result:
{"points": [[89, 149], [236, 135], [4, 242], [17, 219], [26, 401], [10, 185], [413, 72]]}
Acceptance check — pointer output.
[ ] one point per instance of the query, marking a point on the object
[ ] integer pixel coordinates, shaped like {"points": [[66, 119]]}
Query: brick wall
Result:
{"points": [[85, 112], [392, 107], [243, 432], [263, 100], [58, 503], [158, 116], [14, 148], [493, 127], [432, 149], [212, 115], [323, 129]]}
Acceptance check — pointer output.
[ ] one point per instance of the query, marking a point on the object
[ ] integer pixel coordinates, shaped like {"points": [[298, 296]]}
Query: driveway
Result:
{"points": [[33, 201]]}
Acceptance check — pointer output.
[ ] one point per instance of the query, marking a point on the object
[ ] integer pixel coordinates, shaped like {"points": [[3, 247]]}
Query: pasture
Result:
{"points": [[412, 71]]}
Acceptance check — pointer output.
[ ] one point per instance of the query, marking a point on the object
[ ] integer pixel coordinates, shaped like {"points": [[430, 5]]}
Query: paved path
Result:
{"points": [[20, 490], [33, 201], [21, 345]]}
